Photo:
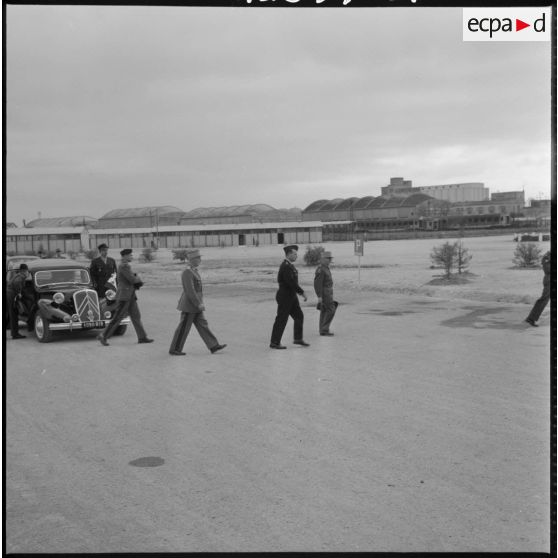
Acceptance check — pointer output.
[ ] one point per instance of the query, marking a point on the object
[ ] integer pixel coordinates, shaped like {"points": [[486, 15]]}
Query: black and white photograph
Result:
{"points": [[279, 277]]}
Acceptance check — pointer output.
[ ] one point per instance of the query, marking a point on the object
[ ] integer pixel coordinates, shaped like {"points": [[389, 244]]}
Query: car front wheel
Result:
{"points": [[42, 329]]}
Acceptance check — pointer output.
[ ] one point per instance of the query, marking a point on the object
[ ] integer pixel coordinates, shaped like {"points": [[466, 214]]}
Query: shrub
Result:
{"points": [[526, 254], [90, 254], [313, 255], [179, 254], [147, 255]]}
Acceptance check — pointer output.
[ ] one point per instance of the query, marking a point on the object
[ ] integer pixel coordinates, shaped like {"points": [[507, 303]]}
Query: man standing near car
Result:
{"points": [[14, 290], [127, 301], [323, 285], [287, 301], [192, 308], [101, 270]]}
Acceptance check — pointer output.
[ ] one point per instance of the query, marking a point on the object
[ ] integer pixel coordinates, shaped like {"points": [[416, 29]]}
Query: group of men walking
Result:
{"points": [[191, 305]]}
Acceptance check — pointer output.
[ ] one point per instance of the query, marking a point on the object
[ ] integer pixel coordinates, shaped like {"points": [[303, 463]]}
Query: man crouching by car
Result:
{"points": [[126, 301]]}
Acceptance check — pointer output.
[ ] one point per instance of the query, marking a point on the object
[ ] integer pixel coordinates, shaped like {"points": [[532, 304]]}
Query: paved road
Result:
{"points": [[423, 425]]}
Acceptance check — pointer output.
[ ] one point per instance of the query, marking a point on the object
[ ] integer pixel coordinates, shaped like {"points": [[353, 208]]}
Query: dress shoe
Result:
{"points": [[102, 340], [327, 333], [276, 346], [18, 336], [176, 353], [217, 348], [531, 322], [301, 342], [145, 340]]}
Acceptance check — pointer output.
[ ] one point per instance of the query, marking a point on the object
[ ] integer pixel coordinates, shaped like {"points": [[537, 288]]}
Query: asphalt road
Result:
{"points": [[423, 425]]}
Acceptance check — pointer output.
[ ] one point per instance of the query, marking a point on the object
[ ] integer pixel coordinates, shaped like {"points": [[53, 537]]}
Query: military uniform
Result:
{"points": [[287, 303], [127, 303], [191, 307], [323, 285], [101, 272]]}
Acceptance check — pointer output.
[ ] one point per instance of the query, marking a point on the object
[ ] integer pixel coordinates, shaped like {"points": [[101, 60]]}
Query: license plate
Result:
{"points": [[90, 325]]}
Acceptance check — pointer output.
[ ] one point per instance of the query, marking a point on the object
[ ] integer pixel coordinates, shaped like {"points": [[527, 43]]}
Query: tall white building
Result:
{"points": [[467, 191]]}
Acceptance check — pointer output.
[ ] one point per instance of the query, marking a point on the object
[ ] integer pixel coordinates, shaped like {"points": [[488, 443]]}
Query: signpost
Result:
{"points": [[359, 251]]}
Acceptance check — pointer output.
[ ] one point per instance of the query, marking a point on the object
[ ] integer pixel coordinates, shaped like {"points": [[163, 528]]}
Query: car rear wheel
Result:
{"points": [[42, 329], [120, 330]]}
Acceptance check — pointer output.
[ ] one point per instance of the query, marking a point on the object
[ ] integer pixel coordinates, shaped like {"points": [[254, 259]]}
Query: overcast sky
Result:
{"points": [[113, 107]]}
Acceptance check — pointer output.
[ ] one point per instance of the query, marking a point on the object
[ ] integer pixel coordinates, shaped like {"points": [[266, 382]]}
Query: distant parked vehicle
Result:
{"points": [[59, 296]]}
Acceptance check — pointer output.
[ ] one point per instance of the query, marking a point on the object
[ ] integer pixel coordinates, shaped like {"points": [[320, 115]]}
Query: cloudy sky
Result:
{"points": [[113, 106]]}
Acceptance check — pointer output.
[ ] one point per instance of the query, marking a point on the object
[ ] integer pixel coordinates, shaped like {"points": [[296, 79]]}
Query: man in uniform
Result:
{"points": [[323, 285], [127, 301], [287, 301], [101, 270], [541, 303], [14, 290], [192, 307]]}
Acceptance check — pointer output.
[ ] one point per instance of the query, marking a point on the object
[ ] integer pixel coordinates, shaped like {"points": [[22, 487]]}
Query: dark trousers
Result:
{"points": [[13, 313], [124, 308], [541, 303], [327, 311], [183, 329], [287, 306]]}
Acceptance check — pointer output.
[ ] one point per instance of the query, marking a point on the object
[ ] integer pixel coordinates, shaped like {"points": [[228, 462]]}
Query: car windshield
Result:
{"points": [[56, 276]]}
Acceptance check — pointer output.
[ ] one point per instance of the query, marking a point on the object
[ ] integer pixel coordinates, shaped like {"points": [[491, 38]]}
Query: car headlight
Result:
{"points": [[75, 318], [107, 315], [110, 294], [58, 298]]}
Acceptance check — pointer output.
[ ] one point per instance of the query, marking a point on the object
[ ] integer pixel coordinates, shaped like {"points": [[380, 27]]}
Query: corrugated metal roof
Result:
{"points": [[216, 227], [141, 212]]}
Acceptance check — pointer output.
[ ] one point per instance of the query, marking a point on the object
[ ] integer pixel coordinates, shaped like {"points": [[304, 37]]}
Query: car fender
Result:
{"points": [[49, 312]]}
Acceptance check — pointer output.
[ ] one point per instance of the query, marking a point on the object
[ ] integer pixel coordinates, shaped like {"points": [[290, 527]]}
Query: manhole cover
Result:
{"points": [[147, 462]]}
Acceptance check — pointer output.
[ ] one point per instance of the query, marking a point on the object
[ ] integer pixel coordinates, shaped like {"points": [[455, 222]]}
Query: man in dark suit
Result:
{"points": [[542, 301], [287, 301], [101, 270], [192, 307], [127, 301], [14, 293]]}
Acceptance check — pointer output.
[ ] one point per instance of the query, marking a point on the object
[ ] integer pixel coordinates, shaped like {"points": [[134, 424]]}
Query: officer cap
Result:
{"points": [[194, 253], [290, 248], [126, 252], [102, 246]]}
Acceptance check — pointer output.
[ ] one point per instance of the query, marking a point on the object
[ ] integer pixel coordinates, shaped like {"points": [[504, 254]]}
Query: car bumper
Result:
{"points": [[77, 326]]}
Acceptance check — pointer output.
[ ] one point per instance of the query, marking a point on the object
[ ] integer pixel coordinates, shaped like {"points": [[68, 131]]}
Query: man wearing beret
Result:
{"points": [[101, 270], [192, 307], [127, 301], [323, 285], [287, 301]]}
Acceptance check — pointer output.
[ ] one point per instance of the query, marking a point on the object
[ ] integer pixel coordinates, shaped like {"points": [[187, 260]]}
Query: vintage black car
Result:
{"points": [[58, 296]]}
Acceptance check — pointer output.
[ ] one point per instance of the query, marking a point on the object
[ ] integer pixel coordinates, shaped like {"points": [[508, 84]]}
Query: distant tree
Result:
{"points": [[526, 254], [90, 254], [147, 255], [313, 255], [444, 256], [462, 257], [179, 254]]}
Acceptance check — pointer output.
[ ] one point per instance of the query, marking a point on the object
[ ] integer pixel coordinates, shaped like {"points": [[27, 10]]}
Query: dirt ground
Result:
{"points": [[422, 426]]}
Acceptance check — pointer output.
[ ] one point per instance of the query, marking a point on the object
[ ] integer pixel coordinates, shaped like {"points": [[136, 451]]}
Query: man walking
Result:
{"points": [[127, 301], [14, 292], [287, 301], [323, 285], [192, 309], [541, 303], [101, 270]]}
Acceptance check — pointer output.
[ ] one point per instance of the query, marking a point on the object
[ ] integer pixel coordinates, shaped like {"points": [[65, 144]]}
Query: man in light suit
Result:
{"points": [[323, 285], [127, 301], [191, 307]]}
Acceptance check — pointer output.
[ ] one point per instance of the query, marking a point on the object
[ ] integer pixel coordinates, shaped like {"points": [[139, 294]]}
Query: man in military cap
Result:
{"points": [[542, 301], [192, 308], [101, 269], [287, 300], [127, 301], [323, 285], [14, 292]]}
